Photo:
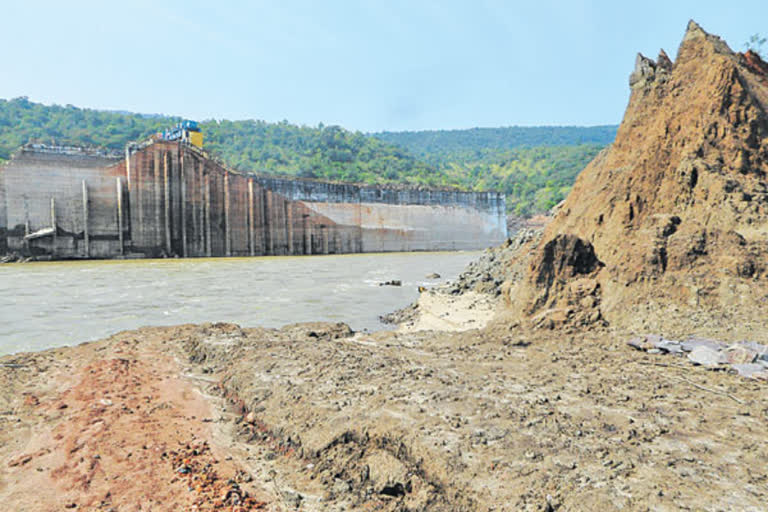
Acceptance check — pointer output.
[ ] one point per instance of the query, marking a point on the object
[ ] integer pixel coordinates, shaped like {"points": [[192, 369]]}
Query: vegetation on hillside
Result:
{"points": [[439, 146], [23, 121], [534, 167], [756, 43], [325, 152], [533, 179]]}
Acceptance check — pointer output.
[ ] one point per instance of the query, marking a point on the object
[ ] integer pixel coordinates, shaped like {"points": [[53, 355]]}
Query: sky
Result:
{"points": [[365, 65]]}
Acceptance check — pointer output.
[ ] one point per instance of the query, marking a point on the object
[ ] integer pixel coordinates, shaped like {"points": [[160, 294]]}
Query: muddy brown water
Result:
{"points": [[45, 305]]}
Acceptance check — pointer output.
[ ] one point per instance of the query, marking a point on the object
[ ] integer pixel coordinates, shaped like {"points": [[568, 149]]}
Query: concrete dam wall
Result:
{"points": [[172, 199]]}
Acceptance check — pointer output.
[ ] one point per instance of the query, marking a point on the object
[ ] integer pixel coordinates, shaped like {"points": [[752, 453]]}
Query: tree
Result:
{"points": [[755, 43]]}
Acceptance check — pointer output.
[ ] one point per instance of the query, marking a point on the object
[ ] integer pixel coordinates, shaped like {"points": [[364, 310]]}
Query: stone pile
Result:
{"points": [[747, 358]]}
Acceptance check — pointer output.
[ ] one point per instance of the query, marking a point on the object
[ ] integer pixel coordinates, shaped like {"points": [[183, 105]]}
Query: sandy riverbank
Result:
{"points": [[436, 311]]}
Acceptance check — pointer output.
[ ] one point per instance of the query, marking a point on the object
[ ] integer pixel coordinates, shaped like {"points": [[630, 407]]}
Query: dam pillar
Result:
{"points": [[128, 168], [167, 203], [53, 225], [128, 181], [138, 190], [194, 192], [307, 235], [183, 182], [157, 184], [268, 241], [200, 193], [251, 220], [227, 218], [289, 226], [324, 236], [207, 208], [119, 190], [86, 233]]}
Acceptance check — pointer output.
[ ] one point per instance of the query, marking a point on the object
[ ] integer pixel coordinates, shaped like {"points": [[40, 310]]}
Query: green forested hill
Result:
{"points": [[23, 121], [437, 146], [534, 179], [326, 152], [535, 167]]}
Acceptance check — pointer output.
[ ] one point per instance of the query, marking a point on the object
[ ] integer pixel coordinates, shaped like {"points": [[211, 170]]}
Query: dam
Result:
{"points": [[172, 199]]}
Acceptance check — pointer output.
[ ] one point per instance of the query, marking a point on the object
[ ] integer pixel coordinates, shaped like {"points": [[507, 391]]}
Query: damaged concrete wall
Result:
{"points": [[173, 200], [35, 176], [381, 219]]}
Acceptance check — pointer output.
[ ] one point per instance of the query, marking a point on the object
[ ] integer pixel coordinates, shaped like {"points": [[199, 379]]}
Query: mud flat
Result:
{"points": [[315, 417]]}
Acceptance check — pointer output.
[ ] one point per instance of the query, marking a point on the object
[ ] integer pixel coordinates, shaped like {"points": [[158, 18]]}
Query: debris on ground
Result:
{"points": [[747, 358]]}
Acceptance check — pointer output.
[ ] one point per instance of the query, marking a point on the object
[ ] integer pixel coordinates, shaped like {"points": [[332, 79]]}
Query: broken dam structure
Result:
{"points": [[163, 199]]}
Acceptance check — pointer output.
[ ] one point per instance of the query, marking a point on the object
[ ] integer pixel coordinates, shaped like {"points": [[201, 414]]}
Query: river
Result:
{"points": [[44, 305]]}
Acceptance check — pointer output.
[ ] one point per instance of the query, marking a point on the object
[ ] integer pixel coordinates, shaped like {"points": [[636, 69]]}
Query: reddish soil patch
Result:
{"points": [[123, 431]]}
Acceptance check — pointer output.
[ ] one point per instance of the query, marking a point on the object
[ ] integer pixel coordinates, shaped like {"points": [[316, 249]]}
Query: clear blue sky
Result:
{"points": [[366, 65]]}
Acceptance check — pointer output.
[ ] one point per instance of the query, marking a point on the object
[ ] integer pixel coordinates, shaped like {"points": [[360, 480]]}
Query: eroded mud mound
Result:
{"points": [[675, 210]]}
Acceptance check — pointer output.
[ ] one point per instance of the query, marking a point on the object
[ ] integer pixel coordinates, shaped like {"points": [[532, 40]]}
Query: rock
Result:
{"points": [[663, 61], [669, 346], [641, 343], [751, 370], [292, 498], [691, 343], [250, 418], [644, 71], [706, 356], [340, 486], [760, 349], [739, 354], [433, 275]]}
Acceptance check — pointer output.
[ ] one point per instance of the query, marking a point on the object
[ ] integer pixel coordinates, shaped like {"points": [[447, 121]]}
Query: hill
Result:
{"points": [[534, 166], [437, 146]]}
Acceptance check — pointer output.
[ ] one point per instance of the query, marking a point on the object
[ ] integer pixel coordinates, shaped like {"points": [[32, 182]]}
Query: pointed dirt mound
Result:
{"points": [[671, 218]]}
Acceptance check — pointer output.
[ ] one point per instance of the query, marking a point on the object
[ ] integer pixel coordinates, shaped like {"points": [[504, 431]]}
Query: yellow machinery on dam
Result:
{"points": [[169, 198]]}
